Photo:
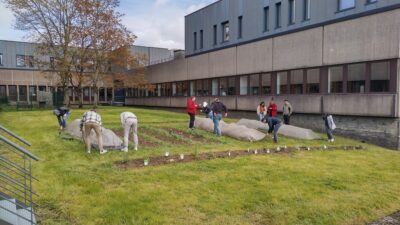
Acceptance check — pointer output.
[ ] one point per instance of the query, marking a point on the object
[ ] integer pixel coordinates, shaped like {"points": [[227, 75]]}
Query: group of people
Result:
{"points": [[91, 120], [215, 111], [269, 115]]}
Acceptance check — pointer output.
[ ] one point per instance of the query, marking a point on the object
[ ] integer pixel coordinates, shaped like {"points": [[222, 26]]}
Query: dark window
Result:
{"points": [[195, 41], [102, 94], [3, 92], [306, 9], [23, 95], [335, 75], [380, 77], [225, 31], [240, 26], [313, 81], [278, 15], [281, 83], [206, 88], [215, 34], [266, 19], [292, 10], [255, 84], [1, 59], [296, 82], [21, 61], [33, 93], [346, 4], [42, 88], [356, 78], [86, 95], [371, 1], [12, 93], [201, 39], [109, 94], [244, 85], [266, 83], [31, 61], [227, 86], [199, 88]]}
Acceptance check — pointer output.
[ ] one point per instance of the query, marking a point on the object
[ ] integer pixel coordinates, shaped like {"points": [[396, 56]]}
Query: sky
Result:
{"points": [[156, 23]]}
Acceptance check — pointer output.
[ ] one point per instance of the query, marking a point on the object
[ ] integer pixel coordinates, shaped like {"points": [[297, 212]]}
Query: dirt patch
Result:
{"points": [[163, 137], [188, 136], [163, 160], [142, 141], [393, 219]]}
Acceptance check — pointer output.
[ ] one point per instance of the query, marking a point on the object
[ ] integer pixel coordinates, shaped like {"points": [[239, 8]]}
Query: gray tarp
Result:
{"points": [[110, 139], [232, 130], [286, 130]]}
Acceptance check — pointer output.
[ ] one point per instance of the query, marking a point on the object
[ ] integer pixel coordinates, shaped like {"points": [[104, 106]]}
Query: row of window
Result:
{"points": [[352, 78], [225, 28], [21, 60]]}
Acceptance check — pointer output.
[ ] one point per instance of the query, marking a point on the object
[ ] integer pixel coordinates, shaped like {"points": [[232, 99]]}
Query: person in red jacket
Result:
{"points": [[272, 108], [191, 110]]}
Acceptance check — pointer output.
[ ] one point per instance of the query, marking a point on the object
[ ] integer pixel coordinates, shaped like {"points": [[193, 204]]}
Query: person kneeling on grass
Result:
{"points": [[330, 126], [274, 125], [92, 121], [129, 122]]}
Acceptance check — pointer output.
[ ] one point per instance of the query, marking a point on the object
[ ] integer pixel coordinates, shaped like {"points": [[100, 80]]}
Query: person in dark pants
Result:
{"points": [[329, 126], [207, 110], [218, 108], [191, 110], [272, 108], [274, 125], [287, 111]]}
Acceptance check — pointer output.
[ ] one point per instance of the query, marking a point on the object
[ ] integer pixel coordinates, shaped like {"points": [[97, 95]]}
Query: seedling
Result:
{"points": [[146, 162]]}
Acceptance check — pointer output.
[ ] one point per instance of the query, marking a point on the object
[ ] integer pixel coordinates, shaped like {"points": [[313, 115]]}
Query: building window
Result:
{"points": [[215, 34], [380, 77], [42, 88], [21, 61], [1, 59], [33, 93], [296, 82], [335, 79], [313, 81], [192, 88], [306, 9], [356, 78], [255, 84], [346, 4], [214, 87], [195, 41], [158, 90], [30, 60], [173, 89], [199, 88], [52, 65], [278, 15], [243, 85], [266, 18], [240, 27], [281, 83], [206, 87], [227, 86], [371, 1], [292, 10], [266, 83], [201, 39], [12, 93], [23, 95], [3, 92], [225, 31]]}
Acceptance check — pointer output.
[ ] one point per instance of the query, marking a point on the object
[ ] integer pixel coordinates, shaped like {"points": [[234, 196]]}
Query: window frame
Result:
{"points": [[215, 33], [339, 9], [266, 19], [1, 59], [225, 35], [291, 12], [23, 57], [201, 39], [240, 27], [278, 15], [306, 10], [195, 41]]}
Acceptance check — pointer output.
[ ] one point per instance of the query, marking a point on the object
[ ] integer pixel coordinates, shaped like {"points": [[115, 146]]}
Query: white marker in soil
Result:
{"points": [[278, 149], [256, 152], [166, 154], [268, 151], [182, 156], [229, 154], [308, 148], [146, 162]]}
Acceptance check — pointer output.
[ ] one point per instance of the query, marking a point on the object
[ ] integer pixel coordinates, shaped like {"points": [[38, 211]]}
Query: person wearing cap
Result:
{"points": [[129, 122], [92, 121], [287, 112], [207, 110], [191, 110], [218, 108]]}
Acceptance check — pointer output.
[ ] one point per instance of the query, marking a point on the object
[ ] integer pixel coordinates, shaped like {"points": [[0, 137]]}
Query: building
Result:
{"points": [[324, 56], [21, 79]]}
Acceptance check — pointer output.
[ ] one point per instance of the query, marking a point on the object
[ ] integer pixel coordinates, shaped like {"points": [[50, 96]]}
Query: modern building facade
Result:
{"points": [[21, 79], [324, 56]]}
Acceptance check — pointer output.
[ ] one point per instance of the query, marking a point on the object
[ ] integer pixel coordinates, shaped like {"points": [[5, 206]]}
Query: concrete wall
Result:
{"points": [[255, 57]]}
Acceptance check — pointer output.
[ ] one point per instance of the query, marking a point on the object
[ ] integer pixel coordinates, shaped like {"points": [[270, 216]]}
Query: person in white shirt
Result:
{"points": [[92, 121], [129, 122]]}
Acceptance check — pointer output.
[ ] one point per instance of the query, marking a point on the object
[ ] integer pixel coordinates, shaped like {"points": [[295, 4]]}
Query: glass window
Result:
{"points": [[335, 75], [292, 10], [223, 86], [215, 34], [159, 90], [371, 1], [356, 78], [231, 86], [313, 81], [281, 83], [206, 88], [102, 94], [214, 86], [109, 94], [180, 89], [173, 89], [192, 88], [3, 91], [33, 93], [266, 83], [380, 77], [201, 39], [240, 26], [306, 9], [278, 15], [225, 31], [168, 89], [346, 4], [1, 59], [255, 84], [42, 88], [243, 85], [31, 61], [86, 94], [12, 93], [266, 18], [195, 41], [296, 82], [199, 88], [23, 95], [20, 61]]}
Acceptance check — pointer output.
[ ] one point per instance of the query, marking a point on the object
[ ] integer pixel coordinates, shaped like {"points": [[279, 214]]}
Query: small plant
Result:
{"points": [[146, 162]]}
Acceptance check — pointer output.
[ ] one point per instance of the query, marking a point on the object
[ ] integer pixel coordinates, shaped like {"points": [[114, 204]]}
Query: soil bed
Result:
{"points": [[173, 159], [142, 141], [186, 135], [163, 137]]}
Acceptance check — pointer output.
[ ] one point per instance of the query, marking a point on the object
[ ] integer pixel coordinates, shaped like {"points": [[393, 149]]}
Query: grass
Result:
{"points": [[321, 187]]}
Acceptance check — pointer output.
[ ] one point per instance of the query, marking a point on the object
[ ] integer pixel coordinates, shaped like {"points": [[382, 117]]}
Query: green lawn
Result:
{"points": [[318, 187]]}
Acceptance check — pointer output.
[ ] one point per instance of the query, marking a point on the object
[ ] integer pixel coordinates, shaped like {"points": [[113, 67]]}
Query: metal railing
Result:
{"points": [[16, 177]]}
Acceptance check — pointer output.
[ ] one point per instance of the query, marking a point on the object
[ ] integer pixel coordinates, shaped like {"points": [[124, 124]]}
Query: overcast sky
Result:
{"points": [[158, 23]]}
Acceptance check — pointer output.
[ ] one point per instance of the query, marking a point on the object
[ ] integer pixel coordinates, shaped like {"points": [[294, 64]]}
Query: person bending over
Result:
{"points": [[274, 125], [92, 121], [129, 122]]}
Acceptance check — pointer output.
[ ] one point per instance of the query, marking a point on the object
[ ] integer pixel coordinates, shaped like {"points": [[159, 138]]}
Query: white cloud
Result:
{"points": [[7, 32]]}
